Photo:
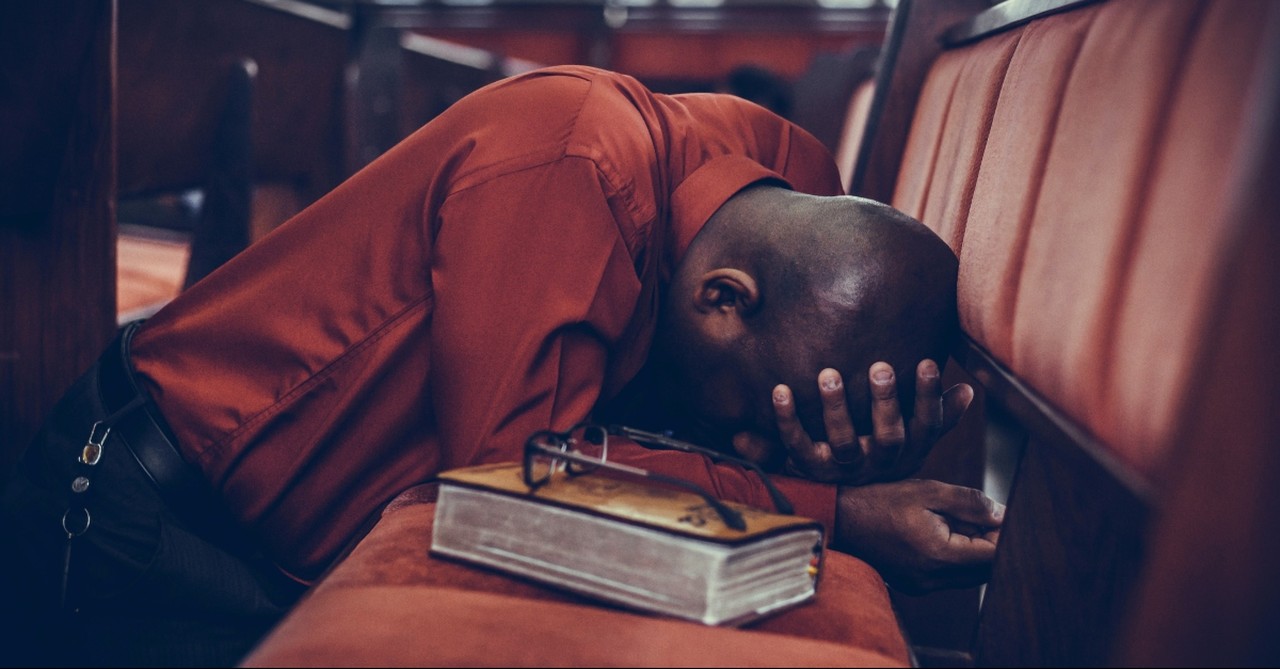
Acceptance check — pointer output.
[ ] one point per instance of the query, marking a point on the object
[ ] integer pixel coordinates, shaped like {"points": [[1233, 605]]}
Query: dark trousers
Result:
{"points": [[144, 586]]}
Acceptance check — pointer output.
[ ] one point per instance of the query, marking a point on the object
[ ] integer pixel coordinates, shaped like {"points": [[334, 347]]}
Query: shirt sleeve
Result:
{"points": [[533, 284]]}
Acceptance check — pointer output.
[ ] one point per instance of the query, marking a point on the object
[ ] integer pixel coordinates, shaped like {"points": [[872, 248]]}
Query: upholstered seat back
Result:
{"points": [[1082, 167]]}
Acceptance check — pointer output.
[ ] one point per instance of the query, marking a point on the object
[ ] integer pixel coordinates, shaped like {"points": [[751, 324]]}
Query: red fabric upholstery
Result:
{"points": [[958, 144], [1211, 595], [1006, 191], [1090, 215], [1182, 240], [855, 125], [921, 153], [390, 603], [426, 626]]}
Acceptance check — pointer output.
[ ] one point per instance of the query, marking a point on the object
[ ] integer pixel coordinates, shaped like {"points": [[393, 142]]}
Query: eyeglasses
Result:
{"points": [[585, 448]]}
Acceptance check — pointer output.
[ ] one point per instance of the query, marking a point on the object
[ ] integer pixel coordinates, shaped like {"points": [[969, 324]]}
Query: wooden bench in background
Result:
{"points": [[233, 105], [253, 109], [57, 189]]}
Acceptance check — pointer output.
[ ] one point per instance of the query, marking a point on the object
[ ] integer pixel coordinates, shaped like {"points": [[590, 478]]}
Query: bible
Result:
{"points": [[631, 543]]}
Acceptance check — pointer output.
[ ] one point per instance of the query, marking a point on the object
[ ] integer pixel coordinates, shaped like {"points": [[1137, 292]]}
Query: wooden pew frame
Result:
{"points": [[57, 208], [1072, 544]]}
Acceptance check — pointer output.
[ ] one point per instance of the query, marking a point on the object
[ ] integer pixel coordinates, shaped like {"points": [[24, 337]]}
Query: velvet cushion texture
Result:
{"points": [[391, 603]]}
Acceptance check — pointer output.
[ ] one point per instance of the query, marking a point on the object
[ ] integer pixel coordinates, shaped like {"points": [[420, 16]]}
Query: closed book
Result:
{"points": [[632, 543]]}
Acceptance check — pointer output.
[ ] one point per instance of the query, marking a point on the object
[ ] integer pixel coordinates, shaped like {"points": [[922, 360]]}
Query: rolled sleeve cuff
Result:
{"points": [[811, 500]]}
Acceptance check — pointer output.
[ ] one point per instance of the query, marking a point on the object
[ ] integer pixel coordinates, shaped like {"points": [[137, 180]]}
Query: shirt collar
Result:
{"points": [[703, 192]]}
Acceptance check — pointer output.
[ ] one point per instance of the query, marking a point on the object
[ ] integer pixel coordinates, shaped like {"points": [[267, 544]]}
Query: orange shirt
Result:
{"points": [[495, 273]]}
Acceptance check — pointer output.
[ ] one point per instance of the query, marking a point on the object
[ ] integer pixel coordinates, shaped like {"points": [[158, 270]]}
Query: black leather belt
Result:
{"points": [[153, 446]]}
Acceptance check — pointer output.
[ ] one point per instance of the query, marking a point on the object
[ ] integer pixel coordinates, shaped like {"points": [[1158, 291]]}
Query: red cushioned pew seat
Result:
{"points": [[391, 604]]}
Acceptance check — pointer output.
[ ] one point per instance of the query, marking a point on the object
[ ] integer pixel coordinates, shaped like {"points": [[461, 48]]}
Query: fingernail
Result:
{"points": [[882, 376], [780, 395], [930, 370], [830, 381], [998, 512]]}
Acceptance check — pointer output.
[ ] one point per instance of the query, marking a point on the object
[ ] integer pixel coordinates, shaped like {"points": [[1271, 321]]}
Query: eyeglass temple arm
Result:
{"points": [[779, 500], [730, 516]]}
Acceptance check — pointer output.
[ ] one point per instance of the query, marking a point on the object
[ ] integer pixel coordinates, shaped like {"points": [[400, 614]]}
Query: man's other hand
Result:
{"points": [[920, 535]]}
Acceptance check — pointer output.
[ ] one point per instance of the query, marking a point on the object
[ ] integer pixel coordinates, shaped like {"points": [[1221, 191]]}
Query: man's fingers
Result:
{"points": [[794, 438], [841, 436], [967, 505], [954, 403], [926, 420], [886, 416], [752, 447], [963, 549]]}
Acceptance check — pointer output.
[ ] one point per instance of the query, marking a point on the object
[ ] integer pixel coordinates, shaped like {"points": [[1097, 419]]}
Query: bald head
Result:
{"points": [[780, 285]]}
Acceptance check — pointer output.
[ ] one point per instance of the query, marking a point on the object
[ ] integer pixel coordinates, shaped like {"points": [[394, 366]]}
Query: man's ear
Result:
{"points": [[727, 290]]}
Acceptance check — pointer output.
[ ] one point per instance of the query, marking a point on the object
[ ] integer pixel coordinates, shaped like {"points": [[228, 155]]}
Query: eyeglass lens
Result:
{"points": [[540, 463]]}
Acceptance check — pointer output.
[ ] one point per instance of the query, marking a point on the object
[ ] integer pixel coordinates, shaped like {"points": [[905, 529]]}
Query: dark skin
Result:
{"points": [[781, 332]]}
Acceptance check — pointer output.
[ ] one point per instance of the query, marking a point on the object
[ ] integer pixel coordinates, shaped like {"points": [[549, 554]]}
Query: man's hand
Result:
{"points": [[920, 535], [894, 450]]}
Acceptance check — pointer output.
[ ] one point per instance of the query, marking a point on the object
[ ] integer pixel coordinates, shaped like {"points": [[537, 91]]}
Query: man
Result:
{"points": [[500, 271]]}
